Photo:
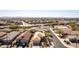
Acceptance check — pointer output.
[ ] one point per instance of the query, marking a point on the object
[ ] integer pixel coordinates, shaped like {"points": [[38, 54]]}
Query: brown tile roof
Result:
{"points": [[26, 35], [2, 33], [75, 33]]}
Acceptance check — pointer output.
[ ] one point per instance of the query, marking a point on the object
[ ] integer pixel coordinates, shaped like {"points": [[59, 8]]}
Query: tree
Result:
{"points": [[13, 27], [73, 25], [59, 32], [57, 22]]}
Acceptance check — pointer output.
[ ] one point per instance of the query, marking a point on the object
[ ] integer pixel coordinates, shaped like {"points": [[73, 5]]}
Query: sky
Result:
{"points": [[39, 13]]}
